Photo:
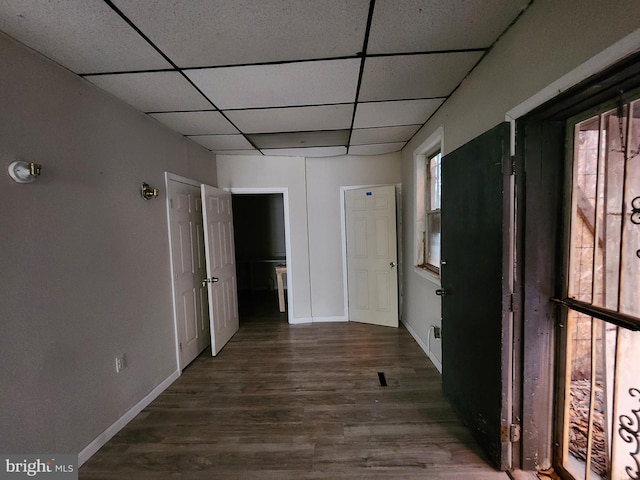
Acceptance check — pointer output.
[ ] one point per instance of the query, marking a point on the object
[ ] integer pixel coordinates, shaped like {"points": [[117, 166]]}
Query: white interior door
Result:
{"points": [[221, 266], [188, 259], [372, 272]]}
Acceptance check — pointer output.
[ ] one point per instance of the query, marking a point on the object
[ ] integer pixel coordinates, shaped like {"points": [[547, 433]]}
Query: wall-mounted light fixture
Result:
{"points": [[24, 172], [148, 192]]}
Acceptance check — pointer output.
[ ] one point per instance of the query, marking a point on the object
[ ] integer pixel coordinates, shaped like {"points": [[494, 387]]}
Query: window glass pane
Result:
{"points": [[433, 239], [630, 261], [583, 221], [434, 181]]}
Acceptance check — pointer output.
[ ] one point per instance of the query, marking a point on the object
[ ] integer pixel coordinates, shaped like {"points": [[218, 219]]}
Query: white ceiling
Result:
{"points": [[272, 77]]}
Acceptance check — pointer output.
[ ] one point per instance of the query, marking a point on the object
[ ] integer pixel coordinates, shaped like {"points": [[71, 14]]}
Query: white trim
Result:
{"points": [[431, 276], [599, 62], [425, 349], [88, 451], [287, 238], [300, 320], [433, 143], [343, 318]]}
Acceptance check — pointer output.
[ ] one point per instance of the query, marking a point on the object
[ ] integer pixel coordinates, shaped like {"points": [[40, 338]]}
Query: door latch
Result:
{"points": [[441, 291], [209, 280]]}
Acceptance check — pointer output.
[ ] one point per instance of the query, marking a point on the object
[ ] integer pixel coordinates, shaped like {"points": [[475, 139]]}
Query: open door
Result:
{"points": [[188, 268], [372, 272], [476, 321], [221, 267]]}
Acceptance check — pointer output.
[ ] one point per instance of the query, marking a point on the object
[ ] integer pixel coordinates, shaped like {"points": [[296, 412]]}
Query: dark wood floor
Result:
{"points": [[298, 402]]}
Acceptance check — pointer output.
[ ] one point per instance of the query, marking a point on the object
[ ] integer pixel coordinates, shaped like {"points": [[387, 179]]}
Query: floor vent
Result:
{"points": [[382, 379]]}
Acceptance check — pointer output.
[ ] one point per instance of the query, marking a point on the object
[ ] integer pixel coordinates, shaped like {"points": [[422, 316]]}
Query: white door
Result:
{"points": [[372, 273], [188, 258], [221, 266]]}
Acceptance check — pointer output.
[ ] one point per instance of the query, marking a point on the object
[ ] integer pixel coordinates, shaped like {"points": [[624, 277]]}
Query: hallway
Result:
{"points": [[299, 402]]}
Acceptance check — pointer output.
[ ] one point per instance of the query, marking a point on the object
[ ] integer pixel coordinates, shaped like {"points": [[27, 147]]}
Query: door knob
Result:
{"points": [[441, 291], [209, 280], [392, 264]]}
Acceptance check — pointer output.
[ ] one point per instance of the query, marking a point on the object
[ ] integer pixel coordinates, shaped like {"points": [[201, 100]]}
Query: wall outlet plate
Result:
{"points": [[437, 333]]}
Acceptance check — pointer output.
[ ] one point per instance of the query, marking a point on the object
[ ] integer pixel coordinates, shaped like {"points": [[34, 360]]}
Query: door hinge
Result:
{"points": [[511, 302], [509, 166], [171, 203], [511, 433], [180, 346], [514, 433]]}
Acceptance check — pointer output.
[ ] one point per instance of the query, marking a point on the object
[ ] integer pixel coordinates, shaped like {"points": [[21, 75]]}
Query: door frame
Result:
{"points": [[287, 235], [343, 233], [539, 145], [168, 176]]}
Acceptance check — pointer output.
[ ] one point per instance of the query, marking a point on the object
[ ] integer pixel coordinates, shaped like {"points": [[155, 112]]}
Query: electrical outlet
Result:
{"points": [[121, 363], [437, 333]]}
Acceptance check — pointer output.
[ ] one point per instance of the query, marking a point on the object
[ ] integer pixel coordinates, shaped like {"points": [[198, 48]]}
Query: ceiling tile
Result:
{"points": [[292, 84], [415, 76], [307, 152], [292, 119], [376, 149], [238, 152], [196, 123], [383, 134], [222, 142], [86, 36], [233, 32], [403, 112], [419, 26], [300, 139], [153, 91]]}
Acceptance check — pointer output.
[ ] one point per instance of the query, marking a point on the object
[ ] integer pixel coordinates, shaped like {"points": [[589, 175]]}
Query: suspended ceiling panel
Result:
{"points": [[415, 76], [292, 119], [196, 123], [387, 114], [304, 83], [366, 136], [153, 91], [238, 32], [86, 36], [439, 25], [272, 77], [223, 142]]}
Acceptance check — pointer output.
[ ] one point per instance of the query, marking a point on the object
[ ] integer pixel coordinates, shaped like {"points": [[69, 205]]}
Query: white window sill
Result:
{"points": [[431, 276]]}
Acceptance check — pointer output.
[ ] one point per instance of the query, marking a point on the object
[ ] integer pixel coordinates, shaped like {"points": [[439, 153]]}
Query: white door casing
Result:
{"points": [[372, 273], [188, 270], [221, 267]]}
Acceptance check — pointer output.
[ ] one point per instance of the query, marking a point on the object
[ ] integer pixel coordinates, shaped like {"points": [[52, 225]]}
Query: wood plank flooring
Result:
{"points": [[299, 402]]}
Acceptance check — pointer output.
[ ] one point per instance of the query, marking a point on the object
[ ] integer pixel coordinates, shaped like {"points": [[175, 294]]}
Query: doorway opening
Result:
{"points": [[579, 401], [262, 254], [599, 348]]}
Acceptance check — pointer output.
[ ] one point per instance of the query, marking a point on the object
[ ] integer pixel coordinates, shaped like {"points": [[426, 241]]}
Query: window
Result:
{"points": [[428, 158], [431, 243]]}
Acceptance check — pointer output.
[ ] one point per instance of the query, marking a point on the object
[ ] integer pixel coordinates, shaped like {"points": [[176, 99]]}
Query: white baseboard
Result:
{"points": [[300, 320], [105, 436], [414, 334], [330, 319]]}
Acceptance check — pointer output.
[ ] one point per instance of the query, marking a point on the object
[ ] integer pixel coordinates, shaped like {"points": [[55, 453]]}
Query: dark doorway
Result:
{"points": [[260, 246]]}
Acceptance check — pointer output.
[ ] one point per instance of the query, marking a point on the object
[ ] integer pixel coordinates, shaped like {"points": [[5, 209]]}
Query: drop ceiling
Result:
{"points": [[271, 77]]}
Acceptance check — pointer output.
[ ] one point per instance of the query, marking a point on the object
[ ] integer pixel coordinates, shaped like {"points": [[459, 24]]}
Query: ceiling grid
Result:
{"points": [[274, 77]]}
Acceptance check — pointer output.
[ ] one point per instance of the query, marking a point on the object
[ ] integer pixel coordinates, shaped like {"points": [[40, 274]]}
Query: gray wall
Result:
{"points": [[85, 260]]}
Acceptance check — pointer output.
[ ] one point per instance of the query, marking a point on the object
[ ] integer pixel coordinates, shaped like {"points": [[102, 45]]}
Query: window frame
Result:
{"points": [[422, 198]]}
